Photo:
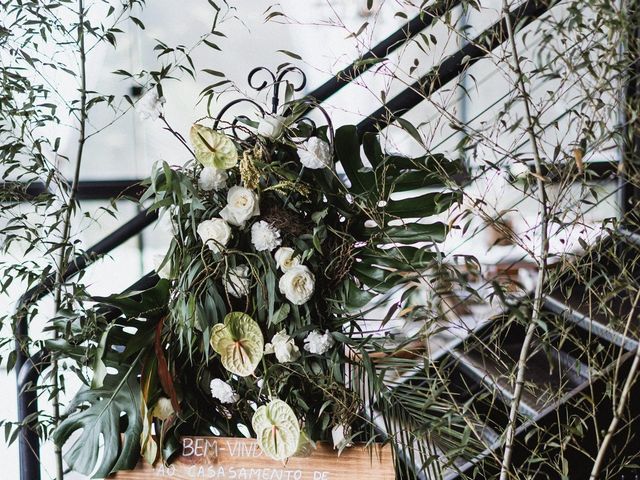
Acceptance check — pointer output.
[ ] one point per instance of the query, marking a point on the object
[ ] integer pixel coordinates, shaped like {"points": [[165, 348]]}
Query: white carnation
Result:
{"points": [[165, 270], [283, 347], [224, 392], [238, 281], [242, 204], [271, 126], [264, 237], [315, 153], [286, 258], [149, 107], [163, 409], [215, 233], [318, 343], [297, 284], [212, 179]]}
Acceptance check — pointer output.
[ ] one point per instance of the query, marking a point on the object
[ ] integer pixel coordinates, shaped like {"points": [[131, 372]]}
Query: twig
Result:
{"points": [[544, 250]]}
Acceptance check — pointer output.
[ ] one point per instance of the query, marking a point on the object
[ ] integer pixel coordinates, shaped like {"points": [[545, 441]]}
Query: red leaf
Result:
{"points": [[164, 374]]}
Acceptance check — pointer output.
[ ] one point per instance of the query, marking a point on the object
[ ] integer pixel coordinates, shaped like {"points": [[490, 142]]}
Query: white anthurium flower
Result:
{"points": [[318, 343], [238, 281], [315, 153], [212, 148], [297, 284], [242, 204], [339, 435], [222, 391], [215, 233], [163, 409], [165, 270], [264, 236], [283, 346], [149, 107], [212, 179], [286, 258], [271, 126]]}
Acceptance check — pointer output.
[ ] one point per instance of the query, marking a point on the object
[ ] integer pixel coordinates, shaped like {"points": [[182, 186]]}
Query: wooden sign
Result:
{"points": [[242, 459]]}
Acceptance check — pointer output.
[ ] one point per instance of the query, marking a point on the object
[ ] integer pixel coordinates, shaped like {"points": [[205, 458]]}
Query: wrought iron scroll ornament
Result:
{"points": [[300, 128]]}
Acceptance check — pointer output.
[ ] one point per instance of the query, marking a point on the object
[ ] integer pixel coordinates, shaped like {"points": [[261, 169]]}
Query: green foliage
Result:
{"points": [[98, 414]]}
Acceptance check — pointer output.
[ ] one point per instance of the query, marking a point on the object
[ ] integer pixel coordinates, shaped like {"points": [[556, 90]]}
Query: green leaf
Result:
{"points": [[103, 446], [140, 303], [277, 429], [99, 368], [213, 149], [348, 152], [421, 206], [239, 342], [409, 233], [291, 54]]}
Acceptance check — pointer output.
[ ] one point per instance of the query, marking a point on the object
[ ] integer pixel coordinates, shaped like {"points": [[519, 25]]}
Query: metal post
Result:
{"points": [[629, 192], [28, 440]]}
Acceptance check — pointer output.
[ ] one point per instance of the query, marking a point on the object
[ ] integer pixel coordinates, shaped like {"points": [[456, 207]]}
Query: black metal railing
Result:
{"points": [[29, 368]]}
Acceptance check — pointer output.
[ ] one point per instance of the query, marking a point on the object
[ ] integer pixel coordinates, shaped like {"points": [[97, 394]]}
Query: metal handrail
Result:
{"points": [[387, 46], [452, 66]]}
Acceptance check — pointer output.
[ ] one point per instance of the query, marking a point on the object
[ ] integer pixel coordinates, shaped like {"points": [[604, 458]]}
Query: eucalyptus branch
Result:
{"points": [[65, 247], [544, 248]]}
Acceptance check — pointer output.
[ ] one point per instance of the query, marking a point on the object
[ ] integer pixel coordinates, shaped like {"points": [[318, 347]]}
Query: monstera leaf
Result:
{"points": [[239, 342], [104, 445], [213, 149], [390, 225], [277, 429]]}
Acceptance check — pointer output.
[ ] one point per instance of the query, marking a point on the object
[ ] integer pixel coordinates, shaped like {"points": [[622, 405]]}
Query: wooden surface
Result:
{"points": [[242, 459]]}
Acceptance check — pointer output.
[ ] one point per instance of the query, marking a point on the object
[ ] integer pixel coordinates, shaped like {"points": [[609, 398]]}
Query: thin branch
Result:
{"points": [[66, 248], [544, 249], [622, 403]]}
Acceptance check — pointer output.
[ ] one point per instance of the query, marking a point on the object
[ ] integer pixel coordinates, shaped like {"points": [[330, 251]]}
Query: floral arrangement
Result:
{"points": [[284, 240]]}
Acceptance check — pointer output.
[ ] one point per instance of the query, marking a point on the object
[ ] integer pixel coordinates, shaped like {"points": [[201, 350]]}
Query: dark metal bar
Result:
{"points": [[629, 160], [452, 66], [87, 189], [28, 440], [382, 50]]}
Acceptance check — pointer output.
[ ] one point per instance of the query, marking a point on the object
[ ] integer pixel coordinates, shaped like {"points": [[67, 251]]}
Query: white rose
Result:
{"points": [[237, 282], [318, 343], [264, 237], [163, 409], [339, 435], [165, 270], [286, 258], [149, 107], [242, 204], [222, 391], [215, 233], [315, 153], [212, 179], [297, 284], [271, 126], [284, 347]]}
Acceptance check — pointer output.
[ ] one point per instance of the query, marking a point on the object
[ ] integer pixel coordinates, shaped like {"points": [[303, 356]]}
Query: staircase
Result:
{"points": [[584, 342]]}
